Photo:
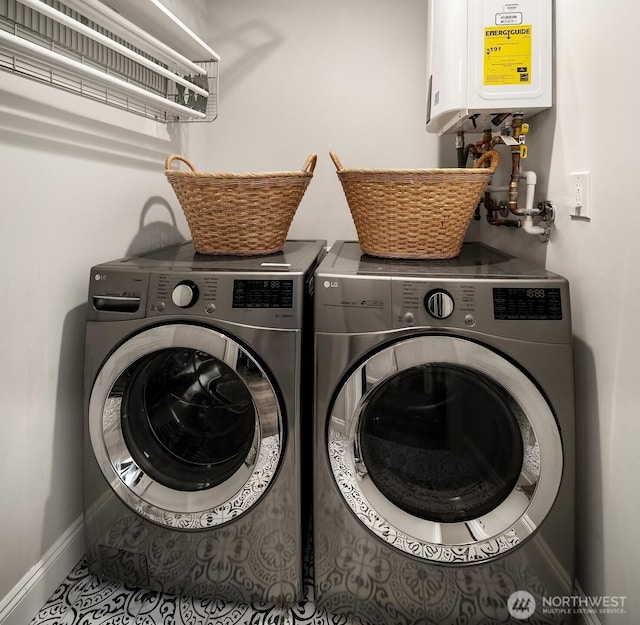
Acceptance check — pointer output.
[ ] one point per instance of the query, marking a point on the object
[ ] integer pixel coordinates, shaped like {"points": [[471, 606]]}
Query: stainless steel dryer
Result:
{"points": [[444, 439], [193, 414]]}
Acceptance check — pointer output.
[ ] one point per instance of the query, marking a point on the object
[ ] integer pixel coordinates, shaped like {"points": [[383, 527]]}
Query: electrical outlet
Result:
{"points": [[580, 195]]}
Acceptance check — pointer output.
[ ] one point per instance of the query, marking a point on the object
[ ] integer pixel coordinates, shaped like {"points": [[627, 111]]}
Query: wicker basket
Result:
{"points": [[242, 214], [414, 213]]}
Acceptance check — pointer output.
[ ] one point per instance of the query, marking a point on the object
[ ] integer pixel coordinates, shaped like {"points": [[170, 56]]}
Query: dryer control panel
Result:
{"points": [[535, 309], [513, 304]]}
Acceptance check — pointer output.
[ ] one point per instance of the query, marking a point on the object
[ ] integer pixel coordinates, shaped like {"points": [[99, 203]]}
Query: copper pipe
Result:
{"points": [[460, 149], [513, 183], [489, 204], [487, 139], [516, 126], [470, 149], [493, 217]]}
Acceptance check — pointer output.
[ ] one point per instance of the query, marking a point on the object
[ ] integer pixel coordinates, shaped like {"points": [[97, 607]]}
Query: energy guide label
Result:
{"points": [[507, 55]]}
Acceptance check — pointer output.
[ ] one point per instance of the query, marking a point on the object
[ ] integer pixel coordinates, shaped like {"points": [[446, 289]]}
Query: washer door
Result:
{"points": [[186, 426], [445, 449]]}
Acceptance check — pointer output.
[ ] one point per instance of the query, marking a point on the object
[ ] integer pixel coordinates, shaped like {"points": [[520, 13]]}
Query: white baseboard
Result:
{"points": [[558, 571], [32, 591], [587, 618]]}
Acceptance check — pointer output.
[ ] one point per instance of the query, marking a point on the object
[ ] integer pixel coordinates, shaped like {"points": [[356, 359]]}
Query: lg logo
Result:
{"points": [[329, 284]]}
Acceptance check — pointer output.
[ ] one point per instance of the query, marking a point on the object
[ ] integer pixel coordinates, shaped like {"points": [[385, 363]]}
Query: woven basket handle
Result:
{"points": [[177, 157], [310, 164], [336, 161], [492, 155]]}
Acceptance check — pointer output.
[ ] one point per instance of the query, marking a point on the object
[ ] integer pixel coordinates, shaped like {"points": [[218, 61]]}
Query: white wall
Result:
{"points": [[299, 77]]}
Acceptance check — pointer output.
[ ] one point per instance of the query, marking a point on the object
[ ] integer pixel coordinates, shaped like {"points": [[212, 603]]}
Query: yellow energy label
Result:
{"points": [[507, 55]]}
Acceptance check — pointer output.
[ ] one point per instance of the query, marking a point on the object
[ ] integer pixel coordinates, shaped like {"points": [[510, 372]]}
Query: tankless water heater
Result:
{"points": [[486, 60]]}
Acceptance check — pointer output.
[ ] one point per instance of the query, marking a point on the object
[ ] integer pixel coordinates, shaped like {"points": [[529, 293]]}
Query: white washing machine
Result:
{"points": [[444, 439], [194, 406]]}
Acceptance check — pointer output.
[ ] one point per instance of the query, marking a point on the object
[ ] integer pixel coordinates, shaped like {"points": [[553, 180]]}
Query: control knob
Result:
{"points": [[185, 294], [439, 303]]}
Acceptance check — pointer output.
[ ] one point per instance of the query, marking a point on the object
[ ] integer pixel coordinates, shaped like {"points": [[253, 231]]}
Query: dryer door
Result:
{"points": [[445, 449], [186, 426]]}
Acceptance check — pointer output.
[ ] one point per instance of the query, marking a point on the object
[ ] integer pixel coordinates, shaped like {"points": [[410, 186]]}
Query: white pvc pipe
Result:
{"points": [[529, 228], [531, 179]]}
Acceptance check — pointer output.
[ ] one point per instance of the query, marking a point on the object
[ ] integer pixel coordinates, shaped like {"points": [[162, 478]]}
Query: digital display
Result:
{"points": [[263, 293], [527, 304]]}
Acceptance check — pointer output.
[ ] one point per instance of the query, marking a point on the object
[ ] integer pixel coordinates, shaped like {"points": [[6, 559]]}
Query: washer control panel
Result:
{"points": [[419, 301], [185, 294], [439, 303], [271, 293], [264, 300]]}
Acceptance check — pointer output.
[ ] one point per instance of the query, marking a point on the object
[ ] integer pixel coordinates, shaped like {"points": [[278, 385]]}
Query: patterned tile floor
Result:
{"points": [[82, 599]]}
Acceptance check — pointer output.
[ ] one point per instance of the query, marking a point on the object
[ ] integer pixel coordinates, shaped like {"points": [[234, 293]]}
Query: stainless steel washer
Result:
{"points": [[194, 409], [444, 423]]}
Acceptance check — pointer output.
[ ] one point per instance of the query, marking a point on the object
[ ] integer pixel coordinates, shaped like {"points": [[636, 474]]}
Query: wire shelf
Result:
{"points": [[36, 46]]}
